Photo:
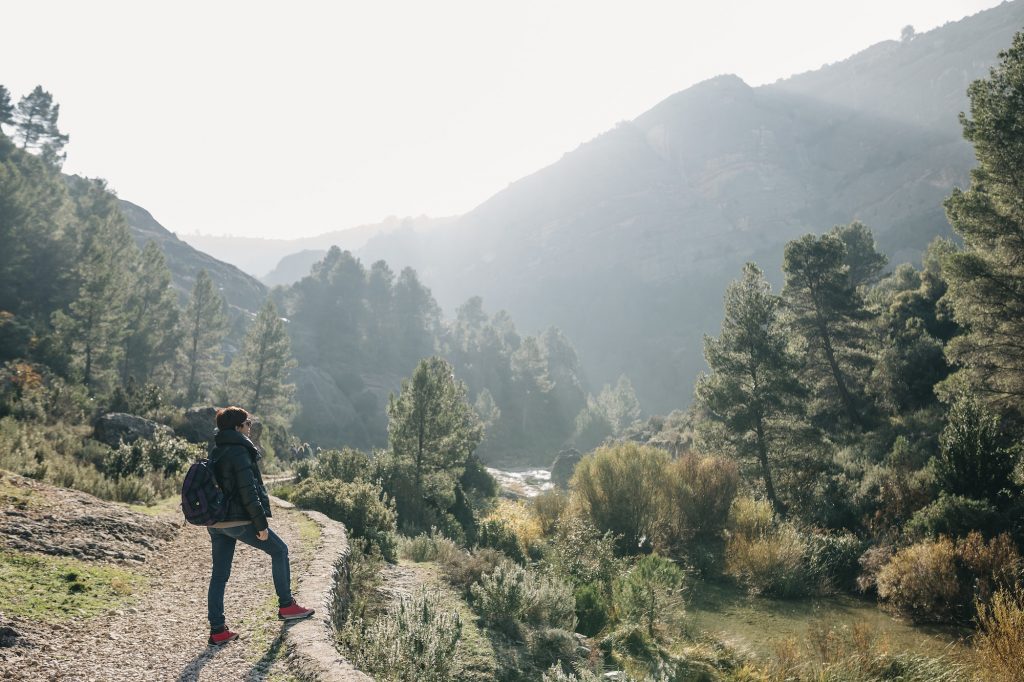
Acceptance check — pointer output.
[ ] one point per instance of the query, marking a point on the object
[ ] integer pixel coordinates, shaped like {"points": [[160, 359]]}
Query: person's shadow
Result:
{"points": [[258, 671]]}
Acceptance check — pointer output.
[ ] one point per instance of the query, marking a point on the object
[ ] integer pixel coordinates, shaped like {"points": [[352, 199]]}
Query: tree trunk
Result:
{"points": [[766, 472]]}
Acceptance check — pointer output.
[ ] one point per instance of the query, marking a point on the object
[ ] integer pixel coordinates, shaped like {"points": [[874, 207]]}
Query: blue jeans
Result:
{"points": [[223, 541]]}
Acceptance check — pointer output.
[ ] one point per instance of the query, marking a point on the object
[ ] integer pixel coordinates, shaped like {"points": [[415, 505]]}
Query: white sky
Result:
{"points": [[287, 120]]}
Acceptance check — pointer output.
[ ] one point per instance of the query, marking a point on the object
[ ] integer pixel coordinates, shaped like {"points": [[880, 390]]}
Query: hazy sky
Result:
{"points": [[292, 119]]}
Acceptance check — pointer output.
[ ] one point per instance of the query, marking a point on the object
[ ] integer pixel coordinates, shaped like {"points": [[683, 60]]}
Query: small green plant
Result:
{"points": [[417, 641], [649, 591], [362, 507], [511, 595]]}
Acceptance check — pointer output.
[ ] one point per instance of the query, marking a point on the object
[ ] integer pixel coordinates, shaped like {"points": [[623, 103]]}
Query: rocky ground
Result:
{"points": [[160, 631]]}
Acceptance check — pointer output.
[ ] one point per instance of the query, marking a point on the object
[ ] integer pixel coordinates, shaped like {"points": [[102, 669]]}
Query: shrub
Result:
{"points": [[649, 590], [425, 547], [976, 458], [999, 644], [496, 534], [582, 554], [519, 520], [343, 465], [418, 641], [511, 595], [750, 518], [592, 608], [699, 494], [462, 569], [770, 564], [547, 508], [548, 646], [953, 516], [362, 507], [619, 487], [921, 581], [167, 455], [833, 559], [942, 581]]}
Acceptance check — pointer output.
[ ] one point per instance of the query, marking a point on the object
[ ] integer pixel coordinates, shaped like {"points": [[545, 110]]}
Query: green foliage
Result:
{"points": [[828, 316], [986, 279], [35, 126], [833, 559], [363, 507], [432, 431], [752, 391], [582, 554], [346, 465], [954, 516], [417, 641], [152, 333], [617, 488], [511, 596], [259, 373], [164, 454], [977, 457], [205, 325], [499, 535], [592, 607], [648, 591], [699, 495]]}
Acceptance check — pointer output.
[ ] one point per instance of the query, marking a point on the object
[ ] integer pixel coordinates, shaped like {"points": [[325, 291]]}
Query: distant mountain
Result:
{"points": [[293, 267], [628, 242], [239, 289], [262, 257]]}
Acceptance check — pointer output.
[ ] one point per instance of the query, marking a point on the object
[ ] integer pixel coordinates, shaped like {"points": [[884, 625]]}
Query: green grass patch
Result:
{"points": [[53, 589], [14, 495]]}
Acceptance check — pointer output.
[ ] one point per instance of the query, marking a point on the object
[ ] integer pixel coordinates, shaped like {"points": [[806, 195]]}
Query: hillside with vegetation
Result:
{"points": [[852, 447], [626, 242]]}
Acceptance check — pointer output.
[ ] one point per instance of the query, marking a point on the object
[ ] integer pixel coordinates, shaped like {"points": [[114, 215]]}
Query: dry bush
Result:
{"points": [[999, 645], [520, 520], [921, 581], [770, 564], [699, 492], [750, 518], [547, 508]]}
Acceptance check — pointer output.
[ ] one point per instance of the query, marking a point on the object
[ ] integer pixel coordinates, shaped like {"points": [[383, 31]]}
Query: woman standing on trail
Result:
{"points": [[234, 459]]}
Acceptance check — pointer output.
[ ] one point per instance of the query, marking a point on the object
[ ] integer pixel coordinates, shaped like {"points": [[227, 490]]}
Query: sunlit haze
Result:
{"points": [[285, 120]]}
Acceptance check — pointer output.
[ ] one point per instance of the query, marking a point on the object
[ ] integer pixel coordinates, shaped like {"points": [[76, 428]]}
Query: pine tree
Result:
{"points": [[827, 313], [432, 431], [94, 324], [259, 373], [205, 325], [6, 108], [152, 334], [986, 279], [35, 122], [752, 390]]}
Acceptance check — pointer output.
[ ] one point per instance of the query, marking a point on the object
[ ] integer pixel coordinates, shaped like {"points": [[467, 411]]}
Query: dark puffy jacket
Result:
{"points": [[235, 458]]}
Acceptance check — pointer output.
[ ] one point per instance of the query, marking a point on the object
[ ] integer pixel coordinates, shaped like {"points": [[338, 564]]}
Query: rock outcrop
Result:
{"points": [[114, 428]]}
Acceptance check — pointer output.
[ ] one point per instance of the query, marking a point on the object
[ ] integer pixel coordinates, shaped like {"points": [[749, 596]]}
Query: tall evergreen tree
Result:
{"points": [[152, 332], [259, 373], [864, 262], [205, 325], [432, 431], [986, 279], [94, 324], [828, 315], [751, 391], [35, 123], [6, 108]]}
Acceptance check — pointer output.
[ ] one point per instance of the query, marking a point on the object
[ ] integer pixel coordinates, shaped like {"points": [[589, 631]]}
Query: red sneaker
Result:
{"points": [[294, 612], [222, 637]]}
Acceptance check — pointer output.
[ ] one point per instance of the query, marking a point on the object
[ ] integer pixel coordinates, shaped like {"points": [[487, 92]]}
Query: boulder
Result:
{"points": [[117, 427], [199, 426], [564, 466]]}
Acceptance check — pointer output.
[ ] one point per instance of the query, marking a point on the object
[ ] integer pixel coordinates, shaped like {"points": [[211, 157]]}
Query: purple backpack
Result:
{"points": [[202, 499]]}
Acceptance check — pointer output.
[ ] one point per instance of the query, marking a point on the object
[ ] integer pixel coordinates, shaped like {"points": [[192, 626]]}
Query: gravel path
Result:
{"points": [[161, 634]]}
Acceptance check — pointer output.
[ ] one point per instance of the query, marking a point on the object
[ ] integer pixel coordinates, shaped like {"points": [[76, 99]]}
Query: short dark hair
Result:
{"points": [[231, 417]]}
